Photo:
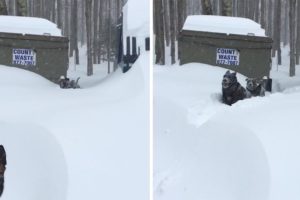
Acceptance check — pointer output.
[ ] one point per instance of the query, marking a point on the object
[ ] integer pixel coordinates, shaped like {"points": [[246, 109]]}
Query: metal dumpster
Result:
{"points": [[246, 54], [42, 54]]}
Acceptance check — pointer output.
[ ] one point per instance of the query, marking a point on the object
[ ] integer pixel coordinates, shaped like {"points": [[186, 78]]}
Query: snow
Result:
{"points": [[204, 149], [89, 143], [136, 22], [223, 24], [136, 18], [28, 25]]}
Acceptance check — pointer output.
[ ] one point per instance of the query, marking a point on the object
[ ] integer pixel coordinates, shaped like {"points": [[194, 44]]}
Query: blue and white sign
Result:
{"points": [[24, 57], [228, 56]]}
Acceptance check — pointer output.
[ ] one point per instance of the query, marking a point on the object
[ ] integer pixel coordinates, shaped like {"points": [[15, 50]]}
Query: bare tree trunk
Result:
{"points": [[234, 8], [181, 14], [292, 36], [109, 37], [82, 23], [66, 20], [59, 13], [75, 28], [172, 30], [167, 21], [72, 37], [88, 10], [298, 34], [21, 7], [278, 32], [159, 33], [286, 23], [11, 7], [3, 8], [95, 38], [206, 7], [263, 13], [270, 12], [226, 6]]}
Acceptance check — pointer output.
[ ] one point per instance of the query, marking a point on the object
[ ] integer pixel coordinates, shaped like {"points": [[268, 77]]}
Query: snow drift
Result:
{"points": [[207, 150]]}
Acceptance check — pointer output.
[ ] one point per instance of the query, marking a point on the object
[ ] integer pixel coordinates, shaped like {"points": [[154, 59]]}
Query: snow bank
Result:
{"points": [[36, 166], [223, 24], [90, 143], [28, 25], [216, 161], [207, 150]]}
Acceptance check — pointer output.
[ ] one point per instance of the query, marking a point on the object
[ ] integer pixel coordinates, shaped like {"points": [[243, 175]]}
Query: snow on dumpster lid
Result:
{"points": [[222, 24], [28, 25]]}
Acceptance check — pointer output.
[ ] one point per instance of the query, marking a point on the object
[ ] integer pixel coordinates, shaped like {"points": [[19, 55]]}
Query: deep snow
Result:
{"points": [[223, 24], [90, 143], [206, 150], [28, 25]]}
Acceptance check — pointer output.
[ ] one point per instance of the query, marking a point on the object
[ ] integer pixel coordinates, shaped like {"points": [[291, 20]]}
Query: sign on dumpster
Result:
{"points": [[24, 57], [228, 56]]}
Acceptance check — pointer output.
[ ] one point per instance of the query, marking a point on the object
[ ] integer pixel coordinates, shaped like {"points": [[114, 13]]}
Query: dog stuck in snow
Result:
{"points": [[2, 168], [255, 87], [232, 91], [65, 82]]}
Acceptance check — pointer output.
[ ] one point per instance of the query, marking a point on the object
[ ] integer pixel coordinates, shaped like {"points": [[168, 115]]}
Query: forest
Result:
{"points": [[280, 19], [85, 22]]}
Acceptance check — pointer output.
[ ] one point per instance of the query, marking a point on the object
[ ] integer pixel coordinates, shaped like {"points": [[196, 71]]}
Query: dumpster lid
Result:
{"points": [[28, 25], [223, 24]]}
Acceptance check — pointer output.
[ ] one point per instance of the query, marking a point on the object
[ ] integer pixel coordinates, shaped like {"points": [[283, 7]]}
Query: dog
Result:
{"points": [[255, 87], [232, 91], [65, 82], [2, 168]]}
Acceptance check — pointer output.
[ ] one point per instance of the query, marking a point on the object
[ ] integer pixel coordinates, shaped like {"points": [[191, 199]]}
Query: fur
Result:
{"points": [[2, 168], [255, 87], [67, 83], [232, 91]]}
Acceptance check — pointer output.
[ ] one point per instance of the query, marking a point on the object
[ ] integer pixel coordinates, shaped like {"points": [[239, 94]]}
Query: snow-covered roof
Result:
{"points": [[28, 25], [136, 17], [222, 24]]}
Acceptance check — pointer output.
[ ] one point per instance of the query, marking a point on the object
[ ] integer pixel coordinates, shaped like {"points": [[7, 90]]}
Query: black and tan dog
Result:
{"points": [[232, 91], [66, 83], [2, 168], [255, 87]]}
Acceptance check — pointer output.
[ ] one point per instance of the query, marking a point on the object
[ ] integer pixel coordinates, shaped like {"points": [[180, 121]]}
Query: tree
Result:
{"points": [[159, 33], [206, 7], [172, 30], [292, 36], [167, 21], [88, 17], [263, 13], [3, 8], [59, 13], [298, 34], [276, 30], [226, 7]]}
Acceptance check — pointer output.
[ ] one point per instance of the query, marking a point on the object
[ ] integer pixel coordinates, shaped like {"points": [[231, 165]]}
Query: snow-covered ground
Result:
{"points": [[205, 150], [89, 143]]}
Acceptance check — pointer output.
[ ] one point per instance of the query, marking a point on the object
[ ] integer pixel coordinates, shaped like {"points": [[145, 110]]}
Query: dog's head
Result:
{"points": [[229, 79], [253, 83]]}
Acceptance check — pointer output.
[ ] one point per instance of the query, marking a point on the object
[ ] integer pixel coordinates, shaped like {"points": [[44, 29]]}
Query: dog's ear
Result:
{"points": [[228, 72]]}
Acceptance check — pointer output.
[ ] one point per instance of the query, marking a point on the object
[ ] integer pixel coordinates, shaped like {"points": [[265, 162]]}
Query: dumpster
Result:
{"points": [[237, 44], [33, 44]]}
